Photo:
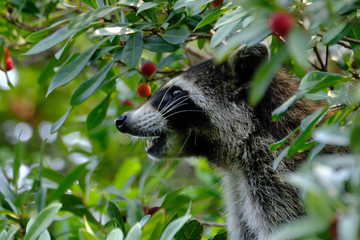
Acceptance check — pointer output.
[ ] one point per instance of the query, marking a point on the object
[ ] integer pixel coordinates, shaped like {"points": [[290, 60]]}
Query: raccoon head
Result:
{"points": [[202, 112]]}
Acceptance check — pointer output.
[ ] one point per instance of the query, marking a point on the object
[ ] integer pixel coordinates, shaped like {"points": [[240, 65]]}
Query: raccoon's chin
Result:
{"points": [[156, 147]]}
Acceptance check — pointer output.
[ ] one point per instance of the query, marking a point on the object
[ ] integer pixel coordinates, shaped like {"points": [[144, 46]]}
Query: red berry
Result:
{"points": [[217, 3], [281, 23], [9, 64], [7, 52], [127, 102], [144, 90], [148, 69]]}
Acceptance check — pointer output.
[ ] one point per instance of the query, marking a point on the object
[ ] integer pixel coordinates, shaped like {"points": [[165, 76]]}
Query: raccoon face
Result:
{"points": [[170, 120], [202, 112]]}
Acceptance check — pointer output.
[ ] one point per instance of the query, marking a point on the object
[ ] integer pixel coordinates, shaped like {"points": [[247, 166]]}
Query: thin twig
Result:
{"points": [[195, 36], [174, 71], [212, 224], [326, 57], [323, 68], [188, 55], [314, 66], [21, 25], [351, 40]]}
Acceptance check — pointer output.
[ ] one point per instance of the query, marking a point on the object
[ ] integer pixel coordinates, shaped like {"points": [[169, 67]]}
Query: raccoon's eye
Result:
{"points": [[176, 92]]}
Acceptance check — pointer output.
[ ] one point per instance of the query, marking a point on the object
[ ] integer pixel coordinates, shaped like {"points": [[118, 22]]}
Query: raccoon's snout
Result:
{"points": [[120, 123]]}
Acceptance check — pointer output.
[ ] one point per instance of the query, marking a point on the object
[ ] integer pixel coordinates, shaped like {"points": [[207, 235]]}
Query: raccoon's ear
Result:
{"points": [[244, 61]]}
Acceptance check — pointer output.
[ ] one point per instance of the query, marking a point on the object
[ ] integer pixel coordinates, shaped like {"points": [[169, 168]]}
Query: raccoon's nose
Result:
{"points": [[120, 122]]}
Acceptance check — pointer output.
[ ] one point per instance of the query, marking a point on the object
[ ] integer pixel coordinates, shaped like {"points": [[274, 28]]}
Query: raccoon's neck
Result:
{"points": [[257, 197]]}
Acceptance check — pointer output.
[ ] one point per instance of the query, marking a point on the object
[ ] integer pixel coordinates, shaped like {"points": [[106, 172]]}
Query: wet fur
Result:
{"points": [[232, 135]]}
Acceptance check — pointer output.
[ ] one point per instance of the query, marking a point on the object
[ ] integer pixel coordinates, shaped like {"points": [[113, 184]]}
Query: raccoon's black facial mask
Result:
{"points": [[169, 120]]}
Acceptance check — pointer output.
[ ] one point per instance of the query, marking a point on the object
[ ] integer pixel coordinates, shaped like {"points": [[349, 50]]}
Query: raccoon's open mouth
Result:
{"points": [[155, 146]]}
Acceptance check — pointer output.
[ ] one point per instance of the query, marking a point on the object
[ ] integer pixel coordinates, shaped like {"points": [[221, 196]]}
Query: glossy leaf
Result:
{"points": [[70, 71], [192, 230], [37, 36], [279, 111], [75, 174], [146, 6], [157, 44], [85, 19], [115, 30], [176, 35], [115, 234], [134, 232], [56, 125], [173, 227], [50, 41], [97, 115], [211, 17], [316, 81], [336, 33], [19, 154], [132, 50], [154, 227], [90, 86], [264, 75], [114, 213], [42, 221], [280, 157], [281, 142]]}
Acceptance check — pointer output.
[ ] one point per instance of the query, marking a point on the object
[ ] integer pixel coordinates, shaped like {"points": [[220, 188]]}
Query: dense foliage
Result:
{"points": [[73, 66]]}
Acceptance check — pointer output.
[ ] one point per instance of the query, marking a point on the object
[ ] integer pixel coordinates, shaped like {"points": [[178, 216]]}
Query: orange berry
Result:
{"points": [[217, 3], [144, 90], [7, 52], [281, 23], [148, 69]]}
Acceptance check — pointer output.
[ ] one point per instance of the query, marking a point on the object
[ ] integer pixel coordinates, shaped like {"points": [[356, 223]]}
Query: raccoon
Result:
{"points": [[204, 112]]}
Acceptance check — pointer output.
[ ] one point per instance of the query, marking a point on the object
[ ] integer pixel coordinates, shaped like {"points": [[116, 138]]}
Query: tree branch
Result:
{"points": [[323, 68], [212, 224]]}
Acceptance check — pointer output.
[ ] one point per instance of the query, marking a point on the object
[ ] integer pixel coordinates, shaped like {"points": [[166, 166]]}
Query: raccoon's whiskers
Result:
{"points": [[169, 106], [182, 111], [182, 147], [162, 99], [177, 103]]}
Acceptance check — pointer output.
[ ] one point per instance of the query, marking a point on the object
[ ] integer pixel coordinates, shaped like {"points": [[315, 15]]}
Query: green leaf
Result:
{"points": [[76, 206], [132, 50], [97, 115], [146, 6], [42, 221], [86, 235], [90, 86], [297, 44], [250, 35], [91, 3], [280, 157], [264, 75], [222, 33], [56, 125], [281, 142], [116, 30], [192, 230], [85, 19], [157, 44], [336, 33], [279, 111], [19, 154], [70, 71], [134, 232], [50, 41], [176, 35], [232, 16], [153, 229], [316, 81], [37, 36], [130, 3], [173, 227], [9, 235], [298, 144], [300, 228], [60, 52], [211, 17], [115, 234], [5, 189], [75, 174], [114, 213]]}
